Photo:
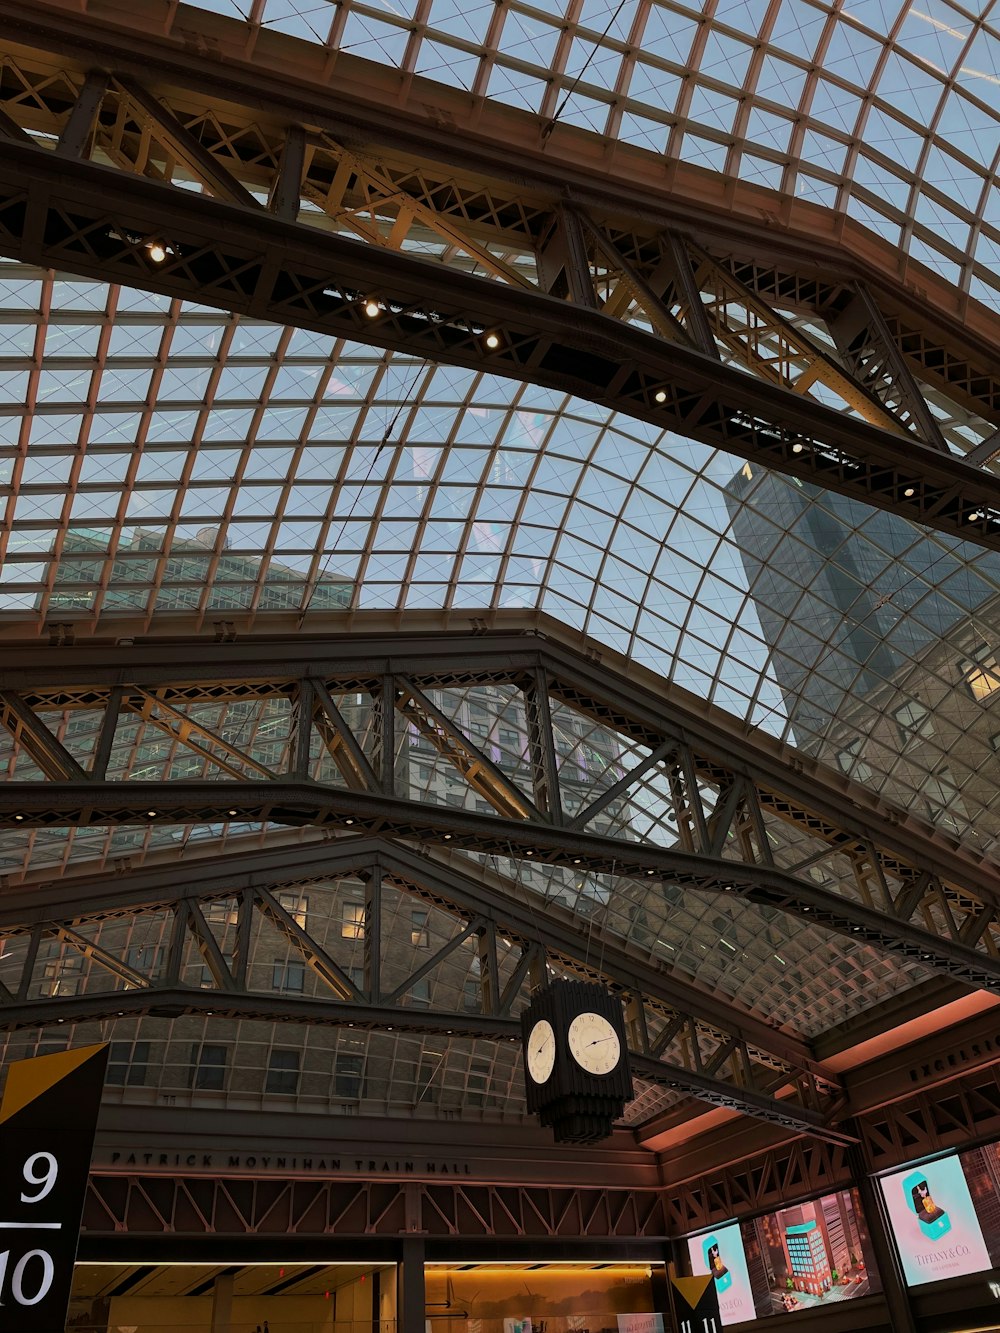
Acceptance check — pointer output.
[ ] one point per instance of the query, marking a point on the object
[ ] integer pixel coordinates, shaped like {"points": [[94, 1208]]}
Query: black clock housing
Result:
{"points": [[578, 1106]]}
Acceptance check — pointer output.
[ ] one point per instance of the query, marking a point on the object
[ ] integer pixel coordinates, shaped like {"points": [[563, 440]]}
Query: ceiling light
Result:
{"points": [[233, 812], [529, 853], [447, 837], [372, 309], [797, 448], [661, 395], [18, 818], [650, 872], [348, 821], [492, 341], [910, 490], [974, 516], [157, 251], [151, 814]]}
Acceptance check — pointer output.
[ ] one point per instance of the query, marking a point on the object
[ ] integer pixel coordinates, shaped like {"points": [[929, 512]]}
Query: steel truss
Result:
{"points": [[733, 798], [616, 303], [682, 1037], [201, 1205]]}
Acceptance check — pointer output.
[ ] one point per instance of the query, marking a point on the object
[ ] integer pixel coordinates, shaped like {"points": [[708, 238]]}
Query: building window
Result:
{"points": [[352, 921], [849, 761], [296, 905], [420, 993], [356, 976], [982, 676], [419, 937], [222, 912], [128, 1064], [208, 1067], [913, 720], [289, 974], [62, 976], [478, 1081], [283, 1072], [348, 1076]]}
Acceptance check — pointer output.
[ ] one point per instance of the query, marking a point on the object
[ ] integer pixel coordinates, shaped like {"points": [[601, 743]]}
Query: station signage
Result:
{"points": [[47, 1122]]}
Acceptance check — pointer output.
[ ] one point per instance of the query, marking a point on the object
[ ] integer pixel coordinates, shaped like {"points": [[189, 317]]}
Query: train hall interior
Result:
{"points": [[500, 656]]}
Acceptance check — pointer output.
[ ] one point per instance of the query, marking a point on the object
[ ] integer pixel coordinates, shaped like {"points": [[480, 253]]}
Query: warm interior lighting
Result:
{"points": [[372, 308], [910, 490], [157, 251], [492, 341], [661, 395], [151, 814], [796, 448]]}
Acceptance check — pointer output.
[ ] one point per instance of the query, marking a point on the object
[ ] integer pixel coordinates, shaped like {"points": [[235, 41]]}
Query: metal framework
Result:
{"points": [[619, 305], [201, 1206], [747, 819], [682, 1037], [743, 822]]}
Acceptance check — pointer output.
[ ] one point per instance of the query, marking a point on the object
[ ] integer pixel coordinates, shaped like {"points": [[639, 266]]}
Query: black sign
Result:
{"points": [[697, 1302], [47, 1122]]}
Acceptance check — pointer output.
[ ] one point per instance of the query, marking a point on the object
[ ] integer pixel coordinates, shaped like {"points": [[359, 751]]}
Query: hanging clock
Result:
{"points": [[576, 1068]]}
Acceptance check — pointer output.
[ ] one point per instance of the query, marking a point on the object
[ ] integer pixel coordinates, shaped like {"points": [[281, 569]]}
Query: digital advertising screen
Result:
{"points": [[720, 1253], [810, 1256], [804, 1257], [933, 1220]]}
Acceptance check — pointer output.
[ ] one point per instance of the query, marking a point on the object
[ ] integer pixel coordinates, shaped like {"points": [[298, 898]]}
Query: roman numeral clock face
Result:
{"points": [[594, 1044]]}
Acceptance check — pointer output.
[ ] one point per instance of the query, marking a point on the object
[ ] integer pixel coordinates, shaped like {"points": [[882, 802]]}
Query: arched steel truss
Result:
{"points": [[650, 308], [899, 886]]}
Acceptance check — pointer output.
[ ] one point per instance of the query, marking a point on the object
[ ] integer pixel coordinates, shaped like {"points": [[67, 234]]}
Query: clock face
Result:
{"points": [[540, 1056], [594, 1044]]}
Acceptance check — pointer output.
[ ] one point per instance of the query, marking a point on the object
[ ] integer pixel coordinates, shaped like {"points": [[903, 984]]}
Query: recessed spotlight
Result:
{"points": [[372, 309], [492, 341]]}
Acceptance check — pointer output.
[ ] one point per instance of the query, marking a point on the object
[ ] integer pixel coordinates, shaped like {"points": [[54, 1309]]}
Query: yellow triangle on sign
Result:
{"points": [[692, 1288], [28, 1079]]}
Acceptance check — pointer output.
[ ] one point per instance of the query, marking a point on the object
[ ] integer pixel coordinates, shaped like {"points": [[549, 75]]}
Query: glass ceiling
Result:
{"points": [[159, 458], [884, 112]]}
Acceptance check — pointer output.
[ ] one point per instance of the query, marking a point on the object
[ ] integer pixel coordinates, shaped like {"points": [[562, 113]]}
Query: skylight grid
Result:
{"points": [[883, 112]]}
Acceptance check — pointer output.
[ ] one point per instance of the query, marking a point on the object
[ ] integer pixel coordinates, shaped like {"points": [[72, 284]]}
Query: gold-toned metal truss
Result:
{"points": [[682, 1039], [625, 303], [728, 814]]}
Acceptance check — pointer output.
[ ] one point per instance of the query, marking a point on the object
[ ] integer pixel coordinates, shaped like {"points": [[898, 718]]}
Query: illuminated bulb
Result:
{"points": [[372, 309], [974, 516], [447, 837], [233, 812], [661, 395], [492, 341], [348, 821], [910, 490], [796, 448], [650, 872], [151, 814], [157, 252], [529, 853], [18, 818]]}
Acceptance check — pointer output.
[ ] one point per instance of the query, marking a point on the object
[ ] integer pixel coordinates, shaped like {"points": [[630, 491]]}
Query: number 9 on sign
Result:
{"points": [[46, 1180]]}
